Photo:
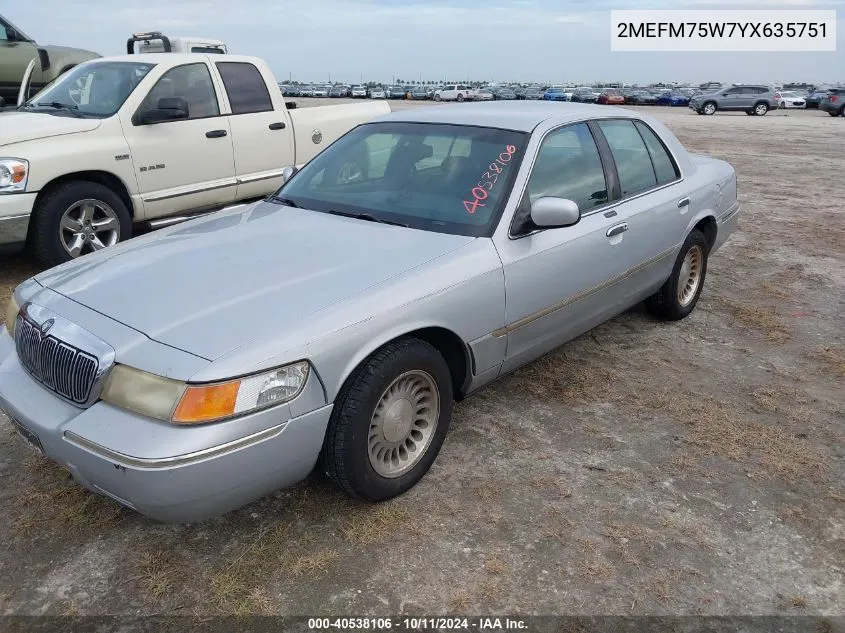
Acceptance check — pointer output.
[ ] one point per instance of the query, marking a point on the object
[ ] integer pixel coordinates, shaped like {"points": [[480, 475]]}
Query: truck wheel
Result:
{"points": [[76, 218], [460, 98], [709, 108], [678, 296], [437, 97], [389, 421], [760, 109]]}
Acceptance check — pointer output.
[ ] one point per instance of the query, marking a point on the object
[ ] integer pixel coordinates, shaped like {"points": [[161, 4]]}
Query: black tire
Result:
{"points": [[664, 304], [44, 231], [345, 453], [842, 111], [834, 113]]}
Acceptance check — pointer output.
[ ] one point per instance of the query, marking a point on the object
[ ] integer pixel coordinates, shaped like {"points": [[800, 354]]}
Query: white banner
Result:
{"points": [[723, 30]]}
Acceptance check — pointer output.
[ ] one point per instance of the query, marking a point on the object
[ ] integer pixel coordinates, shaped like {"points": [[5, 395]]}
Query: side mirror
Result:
{"points": [[288, 172], [290, 105], [548, 212], [11, 34], [169, 109]]}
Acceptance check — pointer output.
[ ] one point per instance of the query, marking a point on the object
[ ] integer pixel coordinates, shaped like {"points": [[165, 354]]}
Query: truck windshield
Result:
{"points": [[94, 89], [445, 178]]}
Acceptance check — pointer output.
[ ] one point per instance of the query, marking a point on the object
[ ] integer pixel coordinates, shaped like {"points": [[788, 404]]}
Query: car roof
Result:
{"points": [[175, 58], [522, 116]]}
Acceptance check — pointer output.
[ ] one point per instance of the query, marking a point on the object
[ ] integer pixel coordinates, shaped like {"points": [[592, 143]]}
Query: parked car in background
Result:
{"points": [[321, 91], [505, 94], [533, 94], [338, 91], [484, 94], [17, 50], [396, 92], [555, 94], [790, 99], [419, 93], [610, 97], [585, 95], [641, 97], [751, 99], [817, 97], [376, 93], [358, 92], [675, 98], [377, 314], [306, 91], [834, 102], [202, 131], [454, 92]]}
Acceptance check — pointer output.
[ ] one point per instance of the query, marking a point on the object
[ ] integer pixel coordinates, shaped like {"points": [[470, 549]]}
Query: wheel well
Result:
{"points": [[762, 101], [453, 350], [100, 177], [709, 227]]}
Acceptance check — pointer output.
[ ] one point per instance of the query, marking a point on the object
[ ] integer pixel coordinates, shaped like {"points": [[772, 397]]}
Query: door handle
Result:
{"points": [[683, 202], [216, 134], [617, 230], [277, 126]]}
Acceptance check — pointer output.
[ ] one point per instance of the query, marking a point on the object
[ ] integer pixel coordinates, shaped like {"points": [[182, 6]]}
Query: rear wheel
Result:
{"points": [[760, 109], [389, 421], [679, 295], [460, 98]]}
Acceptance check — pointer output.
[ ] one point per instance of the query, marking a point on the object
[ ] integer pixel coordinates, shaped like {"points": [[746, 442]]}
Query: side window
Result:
{"points": [[633, 162], [664, 166], [192, 83], [568, 166], [246, 88], [733, 91]]}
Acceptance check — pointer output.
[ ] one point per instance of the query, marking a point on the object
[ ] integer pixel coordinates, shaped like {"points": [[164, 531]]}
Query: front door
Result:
{"points": [[559, 282], [183, 165], [261, 134]]}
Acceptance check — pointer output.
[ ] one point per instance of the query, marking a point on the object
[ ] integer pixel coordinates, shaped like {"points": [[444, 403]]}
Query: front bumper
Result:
{"points": [[180, 476], [15, 211]]}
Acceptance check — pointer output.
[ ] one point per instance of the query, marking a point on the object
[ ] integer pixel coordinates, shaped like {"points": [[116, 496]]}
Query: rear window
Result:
{"points": [[246, 88]]}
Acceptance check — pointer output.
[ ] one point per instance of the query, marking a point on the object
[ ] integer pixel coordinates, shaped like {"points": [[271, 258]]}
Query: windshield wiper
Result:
{"points": [[58, 105], [285, 201], [365, 216]]}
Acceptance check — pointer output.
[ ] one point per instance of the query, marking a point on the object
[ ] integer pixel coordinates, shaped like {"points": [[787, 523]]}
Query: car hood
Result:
{"points": [[213, 284], [18, 127]]}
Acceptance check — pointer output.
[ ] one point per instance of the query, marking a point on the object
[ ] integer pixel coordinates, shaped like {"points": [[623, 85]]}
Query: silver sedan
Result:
{"points": [[420, 257]]}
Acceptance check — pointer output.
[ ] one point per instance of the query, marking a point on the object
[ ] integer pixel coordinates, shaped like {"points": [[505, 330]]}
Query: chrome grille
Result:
{"points": [[62, 368]]}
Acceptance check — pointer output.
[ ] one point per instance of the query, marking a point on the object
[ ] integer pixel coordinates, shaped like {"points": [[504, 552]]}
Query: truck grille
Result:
{"points": [[62, 368]]}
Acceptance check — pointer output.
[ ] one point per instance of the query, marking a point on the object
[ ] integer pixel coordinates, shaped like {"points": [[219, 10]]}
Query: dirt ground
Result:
{"points": [[645, 468]]}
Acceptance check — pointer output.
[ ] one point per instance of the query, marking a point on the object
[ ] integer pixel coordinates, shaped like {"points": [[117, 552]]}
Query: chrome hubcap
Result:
{"points": [[89, 225], [761, 109], [709, 108], [403, 423], [689, 278]]}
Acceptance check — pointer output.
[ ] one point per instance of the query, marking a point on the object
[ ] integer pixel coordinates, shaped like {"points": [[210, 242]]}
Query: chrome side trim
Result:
{"points": [[728, 214], [13, 229], [189, 192], [527, 320], [247, 179], [178, 460]]}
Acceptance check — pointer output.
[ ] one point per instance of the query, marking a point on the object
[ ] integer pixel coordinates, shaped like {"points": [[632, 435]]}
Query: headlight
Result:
{"points": [[183, 403], [13, 175], [12, 314]]}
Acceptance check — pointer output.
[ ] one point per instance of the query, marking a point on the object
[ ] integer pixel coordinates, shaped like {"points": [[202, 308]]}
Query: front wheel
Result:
{"points": [[437, 97], [460, 98], [77, 218], [709, 108], [679, 295], [389, 421]]}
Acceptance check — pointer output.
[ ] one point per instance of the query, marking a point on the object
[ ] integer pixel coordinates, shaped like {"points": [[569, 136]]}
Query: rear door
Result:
{"points": [[262, 134], [652, 212], [182, 165]]}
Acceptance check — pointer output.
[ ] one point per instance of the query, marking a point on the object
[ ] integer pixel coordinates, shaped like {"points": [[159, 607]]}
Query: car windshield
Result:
{"points": [[444, 178], [95, 89]]}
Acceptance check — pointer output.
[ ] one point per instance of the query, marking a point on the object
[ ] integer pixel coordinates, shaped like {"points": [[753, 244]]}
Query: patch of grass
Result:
{"points": [[570, 381], [796, 514], [834, 358], [157, 571], [541, 482], [836, 495], [487, 491], [372, 524], [494, 564], [595, 568], [764, 320], [588, 546], [318, 561], [799, 602], [775, 290], [460, 600]]}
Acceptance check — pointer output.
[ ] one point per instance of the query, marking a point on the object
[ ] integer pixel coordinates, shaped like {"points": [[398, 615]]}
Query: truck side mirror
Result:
{"points": [[168, 109]]}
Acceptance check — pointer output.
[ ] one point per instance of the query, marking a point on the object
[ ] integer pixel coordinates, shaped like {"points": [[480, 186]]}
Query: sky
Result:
{"points": [[550, 41]]}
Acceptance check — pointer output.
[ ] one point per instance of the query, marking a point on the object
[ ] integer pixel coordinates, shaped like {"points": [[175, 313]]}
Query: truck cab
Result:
{"points": [[157, 42]]}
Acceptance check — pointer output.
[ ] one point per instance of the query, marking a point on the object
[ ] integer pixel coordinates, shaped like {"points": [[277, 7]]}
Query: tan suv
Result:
{"points": [[17, 50]]}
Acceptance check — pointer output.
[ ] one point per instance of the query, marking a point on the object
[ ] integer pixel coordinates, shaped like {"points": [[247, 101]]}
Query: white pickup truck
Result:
{"points": [[454, 92], [154, 139]]}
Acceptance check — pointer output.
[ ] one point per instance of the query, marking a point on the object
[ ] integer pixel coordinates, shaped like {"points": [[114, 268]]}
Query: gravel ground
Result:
{"points": [[644, 468]]}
